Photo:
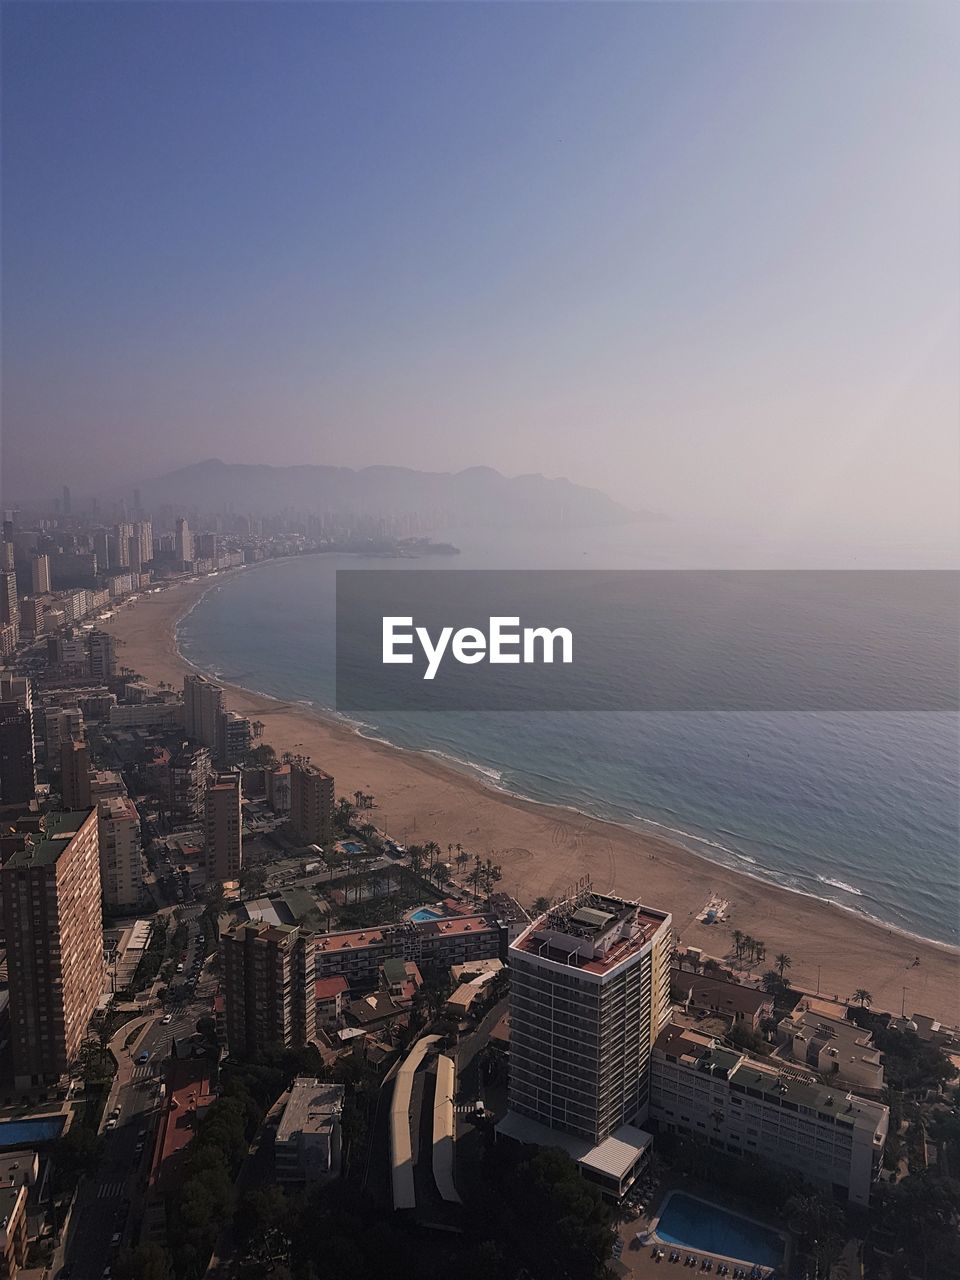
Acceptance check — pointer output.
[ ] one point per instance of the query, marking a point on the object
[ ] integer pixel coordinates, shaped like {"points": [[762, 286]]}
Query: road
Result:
{"points": [[107, 1212]]}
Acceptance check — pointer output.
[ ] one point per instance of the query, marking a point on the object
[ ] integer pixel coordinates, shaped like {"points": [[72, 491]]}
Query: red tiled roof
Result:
{"points": [[327, 988]]}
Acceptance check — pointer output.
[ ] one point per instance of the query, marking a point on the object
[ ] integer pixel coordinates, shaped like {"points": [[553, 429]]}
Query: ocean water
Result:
{"points": [[857, 808]]}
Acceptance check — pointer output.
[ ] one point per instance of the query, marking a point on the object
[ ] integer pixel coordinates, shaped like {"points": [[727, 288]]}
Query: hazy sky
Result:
{"points": [[704, 257]]}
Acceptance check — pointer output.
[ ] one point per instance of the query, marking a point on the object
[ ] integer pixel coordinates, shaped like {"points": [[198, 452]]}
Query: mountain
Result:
{"points": [[478, 495]]}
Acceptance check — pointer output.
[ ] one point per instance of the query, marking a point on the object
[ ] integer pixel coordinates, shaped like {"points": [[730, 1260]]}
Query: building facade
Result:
{"points": [[121, 862], [202, 708], [589, 991], [52, 923], [748, 1107], [75, 775], [223, 827], [311, 803], [268, 986], [18, 774]]}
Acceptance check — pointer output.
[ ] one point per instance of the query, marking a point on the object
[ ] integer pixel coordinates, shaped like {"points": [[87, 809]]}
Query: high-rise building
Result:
{"points": [[234, 735], [311, 803], [202, 708], [589, 992], [102, 650], [121, 864], [40, 575], [18, 774], [75, 775], [7, 556], [144, 531], [134, 559], [31, 616], [9, 601], [101, 547], [52, 924], [188, 771], [223, 829], [184, 542], [269, 986]]}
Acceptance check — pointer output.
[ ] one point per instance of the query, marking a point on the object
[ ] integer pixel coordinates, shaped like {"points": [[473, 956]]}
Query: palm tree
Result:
{"points": [[863, 997], [748, 945], [738, 942], [761, 951], [783, 961]]}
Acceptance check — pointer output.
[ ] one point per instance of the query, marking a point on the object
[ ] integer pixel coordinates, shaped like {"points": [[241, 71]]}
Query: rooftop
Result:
{"points": [[60, 830], [311, 1108], [593, 932], [613, 1158], [359, 938], [726, 996], [327, 988]]}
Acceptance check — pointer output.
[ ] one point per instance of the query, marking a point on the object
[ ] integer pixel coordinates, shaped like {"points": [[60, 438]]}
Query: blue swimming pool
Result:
{"points": [[26, 1133], [426, 913], [697, 1224], [351, 846]]}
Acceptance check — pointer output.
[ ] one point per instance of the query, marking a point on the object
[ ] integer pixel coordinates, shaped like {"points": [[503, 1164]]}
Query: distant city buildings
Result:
{"points": [[184, 542], [223, 828], [311, 803], [41, 581], [50, 894], [18, 775]]}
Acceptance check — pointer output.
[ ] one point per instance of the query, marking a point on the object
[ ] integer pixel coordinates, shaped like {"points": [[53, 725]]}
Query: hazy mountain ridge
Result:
{"points": [[476, 495]]}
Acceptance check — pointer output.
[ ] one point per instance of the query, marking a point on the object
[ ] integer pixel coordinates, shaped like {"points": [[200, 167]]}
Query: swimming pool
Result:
{"points": [[697, 1224], [351, 846], [424, 914], [25, 1133]]}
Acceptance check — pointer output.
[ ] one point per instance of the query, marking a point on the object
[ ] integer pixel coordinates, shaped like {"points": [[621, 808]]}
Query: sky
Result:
{"points": [[704, 257]]}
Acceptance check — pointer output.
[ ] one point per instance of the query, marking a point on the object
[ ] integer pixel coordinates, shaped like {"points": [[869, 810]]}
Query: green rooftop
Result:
{"points": [[59, 830]]}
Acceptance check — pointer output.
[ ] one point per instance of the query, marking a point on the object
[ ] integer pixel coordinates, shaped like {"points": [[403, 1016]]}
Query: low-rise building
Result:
{"points": [[13, 1230], [832, 1046], [434, 945], [308, 1140], [715, 995], [745, 1106], [331, 993]]}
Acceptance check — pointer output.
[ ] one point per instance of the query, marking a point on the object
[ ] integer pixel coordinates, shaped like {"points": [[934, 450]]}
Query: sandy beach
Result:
{"points": [[543, 848]]}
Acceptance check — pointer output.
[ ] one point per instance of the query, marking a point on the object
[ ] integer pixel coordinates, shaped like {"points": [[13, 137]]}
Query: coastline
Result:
{"points": [[545, 847]]}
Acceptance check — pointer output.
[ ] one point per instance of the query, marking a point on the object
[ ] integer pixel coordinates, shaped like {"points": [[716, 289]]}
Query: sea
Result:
{"points": [[861, 809]]}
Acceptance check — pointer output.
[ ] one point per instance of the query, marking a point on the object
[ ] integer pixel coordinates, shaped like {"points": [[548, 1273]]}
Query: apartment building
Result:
{"points": [[18, 774], [832, 1046], [223, 828], [433, 945], [52, 924], [311, 803], [268, 986], [188, 771], [13, 1230], [121, 861], [747, 1106], [75, 775], [202, 708]]}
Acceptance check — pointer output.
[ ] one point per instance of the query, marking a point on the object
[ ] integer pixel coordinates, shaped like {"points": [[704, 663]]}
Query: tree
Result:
{"points": [[146, 1262], [539, 906], [738, 942], [262, 756], [783, 961], [863, 997]]}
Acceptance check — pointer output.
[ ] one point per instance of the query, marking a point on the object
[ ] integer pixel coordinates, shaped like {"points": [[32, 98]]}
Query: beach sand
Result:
{"points": [[543, 849]]}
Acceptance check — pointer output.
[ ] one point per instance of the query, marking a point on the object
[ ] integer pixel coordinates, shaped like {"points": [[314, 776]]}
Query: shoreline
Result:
{"points": [[543, 847]]}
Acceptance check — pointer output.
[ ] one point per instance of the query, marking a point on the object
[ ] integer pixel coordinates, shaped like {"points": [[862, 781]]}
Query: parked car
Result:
{"points": [[167, 1019], [143, 1057]]}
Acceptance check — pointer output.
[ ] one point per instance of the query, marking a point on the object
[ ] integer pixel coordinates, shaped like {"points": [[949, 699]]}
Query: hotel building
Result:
{"points": [[51, 917], [589, 992], [202, 707], [748, 1107]]}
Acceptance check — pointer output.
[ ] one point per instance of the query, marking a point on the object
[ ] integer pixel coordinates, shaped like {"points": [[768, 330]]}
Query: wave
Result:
{"points": [[840, 884]]}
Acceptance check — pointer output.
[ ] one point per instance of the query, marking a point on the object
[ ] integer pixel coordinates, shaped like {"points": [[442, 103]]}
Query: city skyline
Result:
{"points": [[643, 247]]}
